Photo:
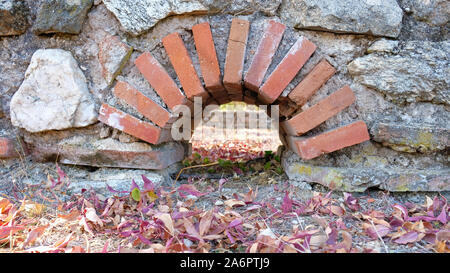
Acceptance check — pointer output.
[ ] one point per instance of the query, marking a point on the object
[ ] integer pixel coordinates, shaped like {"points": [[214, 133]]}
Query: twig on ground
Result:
{"points": [[379, 237]]}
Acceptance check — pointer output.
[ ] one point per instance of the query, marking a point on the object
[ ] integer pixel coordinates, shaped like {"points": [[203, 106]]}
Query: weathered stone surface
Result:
{"points": [[113, 54], [136, 17], [120, 181], [419, 72], [433, 12], [360, 179], [2, 114], [139, 16], [383, 45], [65, 16], [411, 138], [268, 7], [376, 17], [84, 147], [13, 17], [54, 94]]}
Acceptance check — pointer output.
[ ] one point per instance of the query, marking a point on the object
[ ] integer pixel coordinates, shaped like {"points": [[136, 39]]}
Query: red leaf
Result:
{"points": [[190, 189], [287, 204], [409, 237], [351, 202]]}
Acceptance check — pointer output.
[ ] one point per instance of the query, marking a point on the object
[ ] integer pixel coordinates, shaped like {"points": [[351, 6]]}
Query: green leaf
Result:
{"points": [[186, 163], [279, 170], [197, 156], [221, 162], [277, 158], [152, 196], [268, 153], [136, 194], [267, 165], [206, 160]]}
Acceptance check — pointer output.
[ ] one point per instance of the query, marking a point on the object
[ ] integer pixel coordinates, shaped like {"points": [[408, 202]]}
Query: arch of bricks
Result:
{"points": [[234, 86]]}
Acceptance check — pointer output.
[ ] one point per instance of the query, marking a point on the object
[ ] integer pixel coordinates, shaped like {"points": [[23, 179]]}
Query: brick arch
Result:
{"points": [[234, 86]]}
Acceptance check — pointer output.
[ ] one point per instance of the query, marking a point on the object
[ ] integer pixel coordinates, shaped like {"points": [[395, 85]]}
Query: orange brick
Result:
{"points": [[182, 63], [207, 56], [132, 126], [287, 108], [286, 70], [320, 74], [143, 104], [236, 97], [249, 99], [320, 112], [331, 141], [234, 62], [264, 54], [223, 100], [158, 78], [8, 148]]}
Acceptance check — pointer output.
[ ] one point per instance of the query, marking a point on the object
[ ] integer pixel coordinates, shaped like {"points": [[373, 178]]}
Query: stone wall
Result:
{"points": [[395, 56]]}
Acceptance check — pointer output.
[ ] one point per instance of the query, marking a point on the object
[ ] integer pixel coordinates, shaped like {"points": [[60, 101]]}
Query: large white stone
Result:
{"points": [[54, 94]]}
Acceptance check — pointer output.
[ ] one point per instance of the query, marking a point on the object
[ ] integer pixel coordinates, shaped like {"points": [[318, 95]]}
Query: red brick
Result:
{"points": [[234, 62], [320, 74], [320, 112], [287, 108], [132, 126], [9, 148], [331, 141], [182, 63], [158, 78], [236, 97], [249, 99], [211, 100], [207, 56], [264, 54], [286, 70], [143, 104]]}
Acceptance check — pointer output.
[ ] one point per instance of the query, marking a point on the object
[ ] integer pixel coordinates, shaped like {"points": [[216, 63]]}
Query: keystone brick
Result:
{"points": [[320, 74], [236, 97], [286, 70], [143, 104], [249, 100], [8, 148], [264, 54], [223, 100], [158, 78], [234, 62], [182, 63], [209, 63], [132, 126], [250, 97], [320, 112], [330, 141]]}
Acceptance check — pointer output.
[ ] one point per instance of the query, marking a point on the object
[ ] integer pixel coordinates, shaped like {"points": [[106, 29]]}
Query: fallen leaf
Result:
{"points": [[34, 234], [167, 220], [205, 223], [234, 203], [92, 216], [409, 237]]}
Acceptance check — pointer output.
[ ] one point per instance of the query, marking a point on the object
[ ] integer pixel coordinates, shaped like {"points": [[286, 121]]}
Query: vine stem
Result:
{"points": [[196, 166]]}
